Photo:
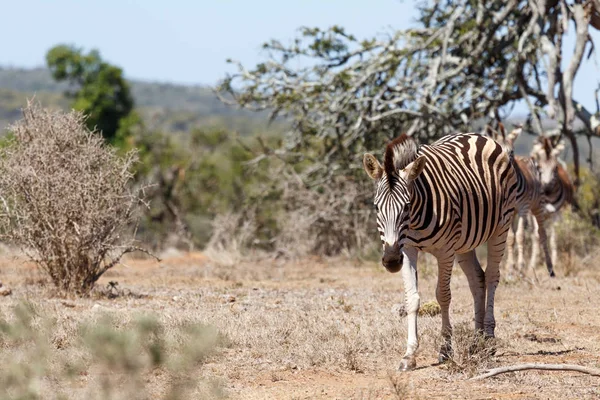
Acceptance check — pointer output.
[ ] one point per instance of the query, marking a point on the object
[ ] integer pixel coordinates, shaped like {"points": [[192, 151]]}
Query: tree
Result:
{"points": [[467, 60], [98, 89]]}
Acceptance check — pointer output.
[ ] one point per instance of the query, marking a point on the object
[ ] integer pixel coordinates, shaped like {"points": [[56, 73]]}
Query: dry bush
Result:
{"points": [[328, 220], [67, 197], [325, 221], [231, 238], [402, 386], [576, 235]]}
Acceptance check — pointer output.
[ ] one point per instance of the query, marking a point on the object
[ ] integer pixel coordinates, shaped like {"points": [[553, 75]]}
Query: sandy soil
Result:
{"points": [[330, 329]]}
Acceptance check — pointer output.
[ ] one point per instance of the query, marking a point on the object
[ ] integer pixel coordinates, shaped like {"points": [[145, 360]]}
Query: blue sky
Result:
{"points": [[181, 41], [186, 41]]}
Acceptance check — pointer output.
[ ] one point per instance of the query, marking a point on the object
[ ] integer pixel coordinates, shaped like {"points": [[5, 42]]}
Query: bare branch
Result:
{"points": [[465, 60], [546, 367]]}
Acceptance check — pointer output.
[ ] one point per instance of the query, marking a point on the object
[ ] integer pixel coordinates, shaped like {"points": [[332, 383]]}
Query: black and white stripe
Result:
{"points": [[447, 199]]}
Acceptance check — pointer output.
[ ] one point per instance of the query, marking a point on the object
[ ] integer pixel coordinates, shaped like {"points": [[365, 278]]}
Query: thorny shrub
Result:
{"points": [[293, 220], [66, 197], [471, 351], [328, 220]]}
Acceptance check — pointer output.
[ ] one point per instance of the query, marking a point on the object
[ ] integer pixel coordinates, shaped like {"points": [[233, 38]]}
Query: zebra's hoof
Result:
{"points": [[552, 274], [445, 353], [408, 364]]}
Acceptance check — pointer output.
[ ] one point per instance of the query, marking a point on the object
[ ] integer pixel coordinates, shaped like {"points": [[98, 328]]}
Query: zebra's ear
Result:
{"points": [[516, 132], [372, 166], [558, 149], [414, 169]]}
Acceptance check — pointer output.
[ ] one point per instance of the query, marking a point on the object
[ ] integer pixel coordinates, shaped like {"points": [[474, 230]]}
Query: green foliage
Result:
{"points": [[198, 176], [100, 91], [117, 356]]}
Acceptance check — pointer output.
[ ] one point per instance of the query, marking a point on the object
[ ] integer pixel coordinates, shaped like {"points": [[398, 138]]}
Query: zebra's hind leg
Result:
{"points": [[411, 295], [496, 245], [476, 277], [535, 244], [510, 246], [444, 296], [553, 248]]}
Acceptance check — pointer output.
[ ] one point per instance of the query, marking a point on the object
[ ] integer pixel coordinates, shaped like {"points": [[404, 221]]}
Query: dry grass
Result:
{"points": [[321, 329]]}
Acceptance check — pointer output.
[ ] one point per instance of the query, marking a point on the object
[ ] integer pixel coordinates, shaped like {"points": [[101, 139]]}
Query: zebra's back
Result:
{"points": [[466, 193]]}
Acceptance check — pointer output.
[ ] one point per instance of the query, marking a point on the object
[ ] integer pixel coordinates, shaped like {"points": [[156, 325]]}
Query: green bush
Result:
{"points": [[111, 360]]}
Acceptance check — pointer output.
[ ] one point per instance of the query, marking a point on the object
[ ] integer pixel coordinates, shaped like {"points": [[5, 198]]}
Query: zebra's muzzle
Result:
{"points": [[392, 258]]}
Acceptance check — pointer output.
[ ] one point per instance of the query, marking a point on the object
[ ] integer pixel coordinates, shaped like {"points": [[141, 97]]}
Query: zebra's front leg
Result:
{"points": [[411, 296], [535, 244], [444, 297], [520, 244], [543, 240], [553, 248]]}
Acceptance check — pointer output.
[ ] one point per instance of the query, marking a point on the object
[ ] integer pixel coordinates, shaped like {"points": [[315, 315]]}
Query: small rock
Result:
{"points": [[68, 304], [96, 307], [4, 291], [175, 298]]}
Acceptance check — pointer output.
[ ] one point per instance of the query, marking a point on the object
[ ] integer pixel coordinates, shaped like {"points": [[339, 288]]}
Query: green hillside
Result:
{"points": [[165, 106]]}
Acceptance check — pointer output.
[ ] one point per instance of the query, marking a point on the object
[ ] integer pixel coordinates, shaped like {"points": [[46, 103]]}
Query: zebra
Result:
{"points": [[557, 188], [446, 199], [529, 199]]}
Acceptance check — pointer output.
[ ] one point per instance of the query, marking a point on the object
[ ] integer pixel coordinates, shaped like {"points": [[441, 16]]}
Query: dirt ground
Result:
{"points": [[331, 329]]}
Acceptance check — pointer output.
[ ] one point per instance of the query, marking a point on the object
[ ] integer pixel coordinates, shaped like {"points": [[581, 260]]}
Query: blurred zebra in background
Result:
{"points": [[530, 199]]}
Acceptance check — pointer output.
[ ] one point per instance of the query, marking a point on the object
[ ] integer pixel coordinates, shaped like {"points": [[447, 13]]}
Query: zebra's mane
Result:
{"points": [[398, 154], [547, 144]]}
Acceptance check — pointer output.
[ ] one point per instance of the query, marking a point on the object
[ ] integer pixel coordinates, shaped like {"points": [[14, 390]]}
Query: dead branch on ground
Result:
{"points": [[546, 367]]}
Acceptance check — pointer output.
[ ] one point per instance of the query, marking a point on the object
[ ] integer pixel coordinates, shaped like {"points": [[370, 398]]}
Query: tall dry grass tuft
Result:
{"points": [[471, 351], [67, 197]]}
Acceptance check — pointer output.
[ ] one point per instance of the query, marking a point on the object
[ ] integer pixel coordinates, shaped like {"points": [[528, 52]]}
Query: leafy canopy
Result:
{"points": [[98, 89]]}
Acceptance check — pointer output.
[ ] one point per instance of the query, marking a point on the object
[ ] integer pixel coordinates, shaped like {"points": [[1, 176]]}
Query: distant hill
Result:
{"points": [[169, 107], [165, 106]]}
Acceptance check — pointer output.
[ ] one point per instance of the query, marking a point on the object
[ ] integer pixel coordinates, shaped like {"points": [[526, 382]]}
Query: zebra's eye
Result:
{"points": [[375, 207]]}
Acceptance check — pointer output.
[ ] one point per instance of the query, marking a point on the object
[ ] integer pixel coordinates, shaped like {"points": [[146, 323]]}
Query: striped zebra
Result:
{"points": [[529, 199], [446, 199], [557, 188]]}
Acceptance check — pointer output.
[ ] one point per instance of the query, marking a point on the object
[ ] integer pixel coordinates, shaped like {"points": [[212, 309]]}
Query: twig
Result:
{"points": [[547, 367]]}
